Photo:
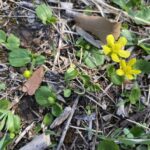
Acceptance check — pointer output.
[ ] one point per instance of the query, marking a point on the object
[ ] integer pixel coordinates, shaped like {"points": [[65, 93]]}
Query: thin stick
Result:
{"points": [[68, 123]]}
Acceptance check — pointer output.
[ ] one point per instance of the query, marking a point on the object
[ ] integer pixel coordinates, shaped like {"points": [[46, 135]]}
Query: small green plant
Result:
{"points": [[19, 57], [9, 122], [46, 97], [90, 55], [73, 73], [137, 9], [44, 13]]}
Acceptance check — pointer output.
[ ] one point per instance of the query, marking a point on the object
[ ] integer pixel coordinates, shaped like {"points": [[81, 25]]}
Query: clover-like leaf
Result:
{"points": [[19, 57], [13, 42], [39, 60], [93, 58], [143, 65], [44, 13]]}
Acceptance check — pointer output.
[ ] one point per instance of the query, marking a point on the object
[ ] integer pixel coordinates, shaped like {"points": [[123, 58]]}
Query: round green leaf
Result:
{"points": [[42, 95], [67, 92], [43, 12], [107, 145], [13, 42], [51, 100], [19, 58], [56, 110], [48, 118], [143, 65], [39, 60]]}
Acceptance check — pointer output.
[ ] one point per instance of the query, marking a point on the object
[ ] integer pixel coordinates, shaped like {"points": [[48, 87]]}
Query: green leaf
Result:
{"points": [[17, 123], [85, 79], [10, 123], [13, 123], [71, 73], [2, 36], [143, 65], [111, 72], [56, 110], [135, 94], [137, 131], [48, 119], [39, 60], [4, 104], [141, 16], [2, 123], [44, 13], [42, 95], [13, 42], [131, 37], [107, 145], [19, 57], [2, 142], [93, 87], [93, 58], [2, 86], [121, 3], [67, 92], [146, 47]]}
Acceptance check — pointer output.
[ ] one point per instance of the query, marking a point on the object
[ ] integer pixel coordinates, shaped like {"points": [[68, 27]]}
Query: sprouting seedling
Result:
{"points": [[44, 13], [46, 97]]}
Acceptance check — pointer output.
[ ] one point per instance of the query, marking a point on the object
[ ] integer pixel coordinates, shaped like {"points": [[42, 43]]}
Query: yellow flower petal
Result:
{"points": [[129, 76], [120, 72], [122, 41], [116, 47], [124, 54], [123, 64], [132, 62], [106, 49], [135, 71], [110, 40], [115, 57]]}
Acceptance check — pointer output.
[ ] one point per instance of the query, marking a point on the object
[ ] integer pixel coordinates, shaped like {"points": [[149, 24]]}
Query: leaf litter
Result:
{"points": [[90, 87]]}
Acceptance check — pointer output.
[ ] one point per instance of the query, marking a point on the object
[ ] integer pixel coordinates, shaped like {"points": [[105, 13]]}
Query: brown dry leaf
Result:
{"points": [[98, 26], [34, 82]]}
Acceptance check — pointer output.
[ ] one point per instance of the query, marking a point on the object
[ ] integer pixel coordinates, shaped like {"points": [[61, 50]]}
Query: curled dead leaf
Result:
{"points": [[33, 83], [98, 26]]}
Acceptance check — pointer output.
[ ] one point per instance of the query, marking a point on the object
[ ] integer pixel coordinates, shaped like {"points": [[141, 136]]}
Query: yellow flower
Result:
{"points": [[114, 49], [126, 69]]}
